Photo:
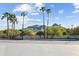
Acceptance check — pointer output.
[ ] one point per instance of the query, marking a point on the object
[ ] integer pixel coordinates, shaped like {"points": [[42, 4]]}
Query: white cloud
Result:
{"points": [[56, 18], [76, 5], [34, 20], [39, 5], [27, 20], [35, 13], [23, 7], [28, 7], [75, 11], [70, 16], [61, 11]]}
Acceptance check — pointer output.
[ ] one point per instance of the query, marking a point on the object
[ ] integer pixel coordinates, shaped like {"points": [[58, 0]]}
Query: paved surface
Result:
{"points": [[38, 48]]}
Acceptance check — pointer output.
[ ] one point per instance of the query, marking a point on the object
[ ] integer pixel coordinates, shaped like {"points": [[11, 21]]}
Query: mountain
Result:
{"points": [[36, 27]]}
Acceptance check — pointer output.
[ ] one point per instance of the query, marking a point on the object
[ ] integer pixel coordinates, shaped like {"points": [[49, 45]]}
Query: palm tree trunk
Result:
{"points": [[44, 25], [12, 31], [7, 28], [22, 27], [47, 25]]}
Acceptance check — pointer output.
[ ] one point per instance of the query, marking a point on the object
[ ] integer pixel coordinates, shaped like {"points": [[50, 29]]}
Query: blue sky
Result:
{"points": [[65, 14]]}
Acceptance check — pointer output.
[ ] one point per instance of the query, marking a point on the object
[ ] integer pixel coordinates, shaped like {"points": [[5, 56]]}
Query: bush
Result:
{"points": [[56, 30], [29, 32], [2, 34], [17, 33], [40, 33]]}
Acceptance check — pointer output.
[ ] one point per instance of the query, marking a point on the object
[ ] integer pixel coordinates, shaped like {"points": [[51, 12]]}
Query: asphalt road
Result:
{"points": [[38, 48]]}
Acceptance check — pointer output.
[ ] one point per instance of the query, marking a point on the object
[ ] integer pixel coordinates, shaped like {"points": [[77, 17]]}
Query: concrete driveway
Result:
{"points": [[38, 48]]}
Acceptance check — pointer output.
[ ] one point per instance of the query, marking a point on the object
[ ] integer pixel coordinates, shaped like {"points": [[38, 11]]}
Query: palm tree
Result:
{"points": [[23, 14], [48, 12], [6, 15], [43, 10], [13, 20]]}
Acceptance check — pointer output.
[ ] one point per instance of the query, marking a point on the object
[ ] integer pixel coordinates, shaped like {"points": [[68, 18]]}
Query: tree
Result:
{"points": [[75, 31], [23, 14], [56, 31], [13, 20], [48, 12], [6, 15], [68, 31], [43, 10], [40, 33]]}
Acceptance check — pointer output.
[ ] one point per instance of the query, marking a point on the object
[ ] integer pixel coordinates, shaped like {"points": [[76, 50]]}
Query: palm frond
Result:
{"points": [[48, 10], [42, 9], [23, 14], [2, 17]]}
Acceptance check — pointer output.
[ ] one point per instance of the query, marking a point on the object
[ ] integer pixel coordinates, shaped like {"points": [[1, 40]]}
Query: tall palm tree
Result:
{"points": [[13, 20], [6, 15], [23, 14], [48, 12], [43, 10]]}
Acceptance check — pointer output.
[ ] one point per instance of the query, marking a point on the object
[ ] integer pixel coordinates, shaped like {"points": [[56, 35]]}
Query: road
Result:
{"points": [[38, 48]]}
